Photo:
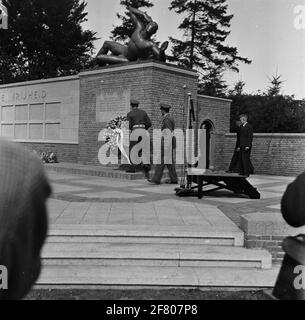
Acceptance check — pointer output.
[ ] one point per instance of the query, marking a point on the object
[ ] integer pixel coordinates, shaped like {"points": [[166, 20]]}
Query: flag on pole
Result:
{"points": [[3, 16]]}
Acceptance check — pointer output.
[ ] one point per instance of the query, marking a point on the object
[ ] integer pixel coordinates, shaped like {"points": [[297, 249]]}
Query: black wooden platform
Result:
{"points": [[233, 182]]}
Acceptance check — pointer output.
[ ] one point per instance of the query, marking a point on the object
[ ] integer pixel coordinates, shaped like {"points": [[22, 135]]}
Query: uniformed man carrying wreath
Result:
{"points": [[138, 119], [168, 126]]}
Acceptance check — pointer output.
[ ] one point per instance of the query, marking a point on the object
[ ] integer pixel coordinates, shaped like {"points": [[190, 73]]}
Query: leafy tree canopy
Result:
{"points": [[45, 39], [124, 31], [205, 26], [270, 114]]}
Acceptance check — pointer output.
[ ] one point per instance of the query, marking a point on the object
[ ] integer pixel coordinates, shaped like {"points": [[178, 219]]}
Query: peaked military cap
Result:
{"points": [[134, 102], [164, 106]]}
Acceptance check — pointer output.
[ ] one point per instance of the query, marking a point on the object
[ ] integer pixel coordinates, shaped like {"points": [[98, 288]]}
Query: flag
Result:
{"points": [[192, 111]]}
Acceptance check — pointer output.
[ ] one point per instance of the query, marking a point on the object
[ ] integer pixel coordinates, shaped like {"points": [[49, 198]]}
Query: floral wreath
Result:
{"points": [[113, 131], [113, 134]]}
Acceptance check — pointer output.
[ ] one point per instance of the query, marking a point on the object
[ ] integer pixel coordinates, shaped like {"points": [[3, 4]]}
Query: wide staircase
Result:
{"points": [[152, 256]]}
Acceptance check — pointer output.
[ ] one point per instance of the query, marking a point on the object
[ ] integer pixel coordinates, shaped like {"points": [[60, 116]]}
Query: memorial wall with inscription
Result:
{"points": [[45, 111], [111, 103], [66, 115]]}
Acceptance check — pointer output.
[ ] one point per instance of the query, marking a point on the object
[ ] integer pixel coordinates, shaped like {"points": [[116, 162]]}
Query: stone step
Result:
{"points": [[170, 255], [194, 235], [96, 171], [62, 276]]}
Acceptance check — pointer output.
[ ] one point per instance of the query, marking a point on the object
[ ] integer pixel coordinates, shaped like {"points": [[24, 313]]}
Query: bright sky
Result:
{"points": [[262, 30]]}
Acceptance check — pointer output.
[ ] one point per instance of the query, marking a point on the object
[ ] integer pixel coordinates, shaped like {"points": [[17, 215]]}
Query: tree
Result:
{"points": [[212, 84], [124, 31], [276, 85], [238, 88], [206, 27], [270, 114], [45, 39]]}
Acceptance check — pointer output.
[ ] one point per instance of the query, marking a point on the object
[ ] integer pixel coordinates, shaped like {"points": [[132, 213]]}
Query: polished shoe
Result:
{"points": [[171, 182], [153, 182], [245, 175], [146, 172], [130, 171]]}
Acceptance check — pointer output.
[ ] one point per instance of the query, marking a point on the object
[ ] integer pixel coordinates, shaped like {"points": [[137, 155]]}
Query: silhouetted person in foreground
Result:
{"points": [[287, 286], [293, 202], [24, 190], [140, 45]]}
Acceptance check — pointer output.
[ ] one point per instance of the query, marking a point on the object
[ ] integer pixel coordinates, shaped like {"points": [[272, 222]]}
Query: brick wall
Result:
{"points": [[273, 244], [267, 230], [274, 154], [218, 112], [150, 83]]}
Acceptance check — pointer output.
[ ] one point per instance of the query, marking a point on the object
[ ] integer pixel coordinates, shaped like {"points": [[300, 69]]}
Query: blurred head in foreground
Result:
{"points": [[24, 190]]}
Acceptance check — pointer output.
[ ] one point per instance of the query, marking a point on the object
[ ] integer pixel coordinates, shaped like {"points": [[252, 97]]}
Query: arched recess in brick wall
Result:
{"points": [[207, 145]]}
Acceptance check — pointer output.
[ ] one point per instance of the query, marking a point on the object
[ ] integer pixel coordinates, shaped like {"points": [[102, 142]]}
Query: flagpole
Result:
{"points": [[188, 138], [182, 180]]}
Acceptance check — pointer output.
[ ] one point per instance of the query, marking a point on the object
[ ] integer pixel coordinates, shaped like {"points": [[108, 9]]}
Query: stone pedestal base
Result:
{"points": [[151, 83]]}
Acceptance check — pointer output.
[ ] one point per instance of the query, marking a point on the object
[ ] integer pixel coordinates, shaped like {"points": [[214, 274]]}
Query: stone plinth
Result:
{"points": [[149, 82]]}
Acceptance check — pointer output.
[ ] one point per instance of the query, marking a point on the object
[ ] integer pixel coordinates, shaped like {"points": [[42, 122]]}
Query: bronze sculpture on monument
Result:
{"points": [[139, 47]]}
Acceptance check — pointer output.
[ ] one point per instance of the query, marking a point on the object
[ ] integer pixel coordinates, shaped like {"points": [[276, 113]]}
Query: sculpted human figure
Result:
{"points": [[140, 46]]}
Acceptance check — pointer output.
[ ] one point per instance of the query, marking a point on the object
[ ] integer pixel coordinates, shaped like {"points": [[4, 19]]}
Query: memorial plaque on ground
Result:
{"points": [[111, 103]]}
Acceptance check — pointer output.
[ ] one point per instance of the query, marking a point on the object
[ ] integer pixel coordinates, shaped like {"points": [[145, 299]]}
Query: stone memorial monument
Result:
{"points": [[66, 114], [138, 71]]}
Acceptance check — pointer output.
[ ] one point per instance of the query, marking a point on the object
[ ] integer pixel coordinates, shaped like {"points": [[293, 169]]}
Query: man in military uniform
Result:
{"points": [[168, 125], [138, 119]]}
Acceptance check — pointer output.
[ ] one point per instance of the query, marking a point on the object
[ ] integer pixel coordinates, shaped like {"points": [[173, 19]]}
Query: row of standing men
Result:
{"points": [[139, 119], [240, 163]]}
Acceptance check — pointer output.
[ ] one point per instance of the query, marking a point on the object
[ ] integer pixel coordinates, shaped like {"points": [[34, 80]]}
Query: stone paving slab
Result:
{"points": [[281, 189], [145, 230], [111, 201], [276, 207], [158, 276], [59, 188], [110, 195], [132, 276], [81, 251], [165, 212]]}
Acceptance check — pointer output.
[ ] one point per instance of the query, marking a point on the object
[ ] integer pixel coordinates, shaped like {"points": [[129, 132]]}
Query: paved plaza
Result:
{"points": [[90, 200], [129, 233]]}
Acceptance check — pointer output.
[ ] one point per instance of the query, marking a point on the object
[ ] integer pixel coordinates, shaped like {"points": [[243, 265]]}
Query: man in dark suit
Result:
{"points": [[138, 119], [168, 125], [244, 146], [235, 162]]}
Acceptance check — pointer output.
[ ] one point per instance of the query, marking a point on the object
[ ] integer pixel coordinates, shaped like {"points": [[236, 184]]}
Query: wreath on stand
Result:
{"points": [[114, 135]]}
